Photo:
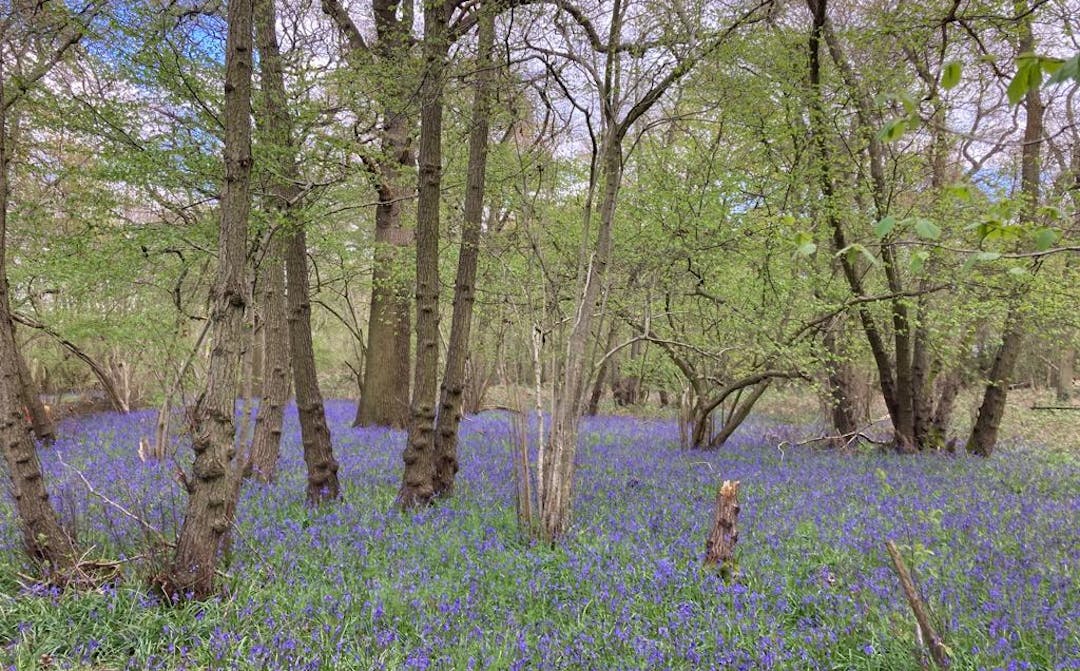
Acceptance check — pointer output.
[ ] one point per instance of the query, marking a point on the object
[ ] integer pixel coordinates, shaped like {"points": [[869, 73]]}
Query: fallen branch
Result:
{"points": [[850, 437], [124, 511], [930, 638]]}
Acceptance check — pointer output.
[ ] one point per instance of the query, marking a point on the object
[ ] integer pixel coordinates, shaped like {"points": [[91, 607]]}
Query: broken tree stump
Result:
{"points": [[928, 635], [720, 548]]}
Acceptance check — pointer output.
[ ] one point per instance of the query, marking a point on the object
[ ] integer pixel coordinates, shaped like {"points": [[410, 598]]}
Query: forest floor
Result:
{"points": [[993, 544]]}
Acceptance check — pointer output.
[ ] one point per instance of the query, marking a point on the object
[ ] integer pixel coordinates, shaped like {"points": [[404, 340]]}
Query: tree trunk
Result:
{"points": [[418, 481], [1064, 380], [921, 377], [41, 421], [984, 433], [949, 387], [276, 125], [44, 539], [453, 385], [384, 399], [266, 443], [738, 416], [210, 483], [322, 468], [603, 373], [558, 457], [818, 126], [842, 397], [720, 547]]}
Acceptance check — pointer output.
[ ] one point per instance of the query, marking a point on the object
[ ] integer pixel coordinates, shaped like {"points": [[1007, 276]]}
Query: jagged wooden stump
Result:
{"points": [[720, 548]]}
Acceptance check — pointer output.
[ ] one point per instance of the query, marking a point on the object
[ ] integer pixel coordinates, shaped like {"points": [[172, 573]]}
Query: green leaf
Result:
{"points": [[1045, 238], [924, 228], [884, 227], [1070, 69], [1018, 271], [1050, 65], [918, 260], [950, 74], [893, 130], [854, 249], [961, 191], [1050, 212], [987, 256], [804, 244], [1028, 76]]}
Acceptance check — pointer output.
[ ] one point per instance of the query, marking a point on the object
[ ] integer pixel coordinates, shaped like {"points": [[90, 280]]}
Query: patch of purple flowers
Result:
{"points": [[993, 544]]}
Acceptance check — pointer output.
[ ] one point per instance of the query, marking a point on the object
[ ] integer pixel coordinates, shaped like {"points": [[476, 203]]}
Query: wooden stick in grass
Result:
{"points": [[938, 652]]}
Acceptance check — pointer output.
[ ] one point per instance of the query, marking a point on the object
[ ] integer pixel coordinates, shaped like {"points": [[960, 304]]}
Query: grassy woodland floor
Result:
{"points": [[994, 544]]}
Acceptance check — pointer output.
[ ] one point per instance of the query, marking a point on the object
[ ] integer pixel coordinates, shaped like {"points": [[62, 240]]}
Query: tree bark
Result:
{"points": [[603, 373], [720, 547], [1064, 380], [211, 486], [882, 359], [322, 467], [266, 441], [43, 537], [276, 125], [949, 387], [842, 397], [418, 481], [384, 397], [983, 436], [452, 392], [41, 420]]}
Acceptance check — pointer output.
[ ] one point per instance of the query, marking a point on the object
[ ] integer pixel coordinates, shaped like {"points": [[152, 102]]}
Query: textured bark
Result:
{"points": [[818, 127], [211, 486], [41, 421], [384, 397], [921, 377], [949, 386], [842, 397], [603, 373], [452, 391], [44, 539], [984, 433], [1063, 382], [720, 547], [266, 442], [418, 481], [322, 468], [276, 126]]}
